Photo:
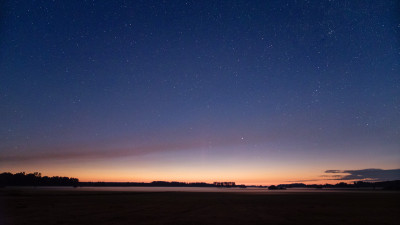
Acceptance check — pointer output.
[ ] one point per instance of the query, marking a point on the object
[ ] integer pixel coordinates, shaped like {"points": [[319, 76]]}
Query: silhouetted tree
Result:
{"points": [[35, 179]]}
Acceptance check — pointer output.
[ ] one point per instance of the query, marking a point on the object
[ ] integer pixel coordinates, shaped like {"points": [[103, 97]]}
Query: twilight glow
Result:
{"points": [[256, 92]]}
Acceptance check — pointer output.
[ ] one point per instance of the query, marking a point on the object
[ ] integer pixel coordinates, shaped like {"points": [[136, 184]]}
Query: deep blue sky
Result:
{"points": [[287, 82]]}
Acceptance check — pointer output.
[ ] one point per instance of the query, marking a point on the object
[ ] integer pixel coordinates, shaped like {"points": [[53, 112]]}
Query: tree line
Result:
{"points": [[386, 185], [35, 179]]}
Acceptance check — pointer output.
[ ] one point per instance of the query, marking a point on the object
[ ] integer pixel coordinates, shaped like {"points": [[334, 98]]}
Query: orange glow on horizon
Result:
{"points": [[127, 177]]}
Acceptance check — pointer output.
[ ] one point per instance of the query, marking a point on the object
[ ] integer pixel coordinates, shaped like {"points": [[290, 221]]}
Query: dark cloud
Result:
{"points": [[365, 174], [372, 175], [333, 171]]}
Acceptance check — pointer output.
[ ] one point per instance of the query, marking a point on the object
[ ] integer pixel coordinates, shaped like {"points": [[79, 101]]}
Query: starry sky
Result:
{"points": [[255, 92]]}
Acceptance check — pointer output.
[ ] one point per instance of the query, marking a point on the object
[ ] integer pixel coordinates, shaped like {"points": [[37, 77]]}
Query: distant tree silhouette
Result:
{"points": [[35, 179], [386, 185]]}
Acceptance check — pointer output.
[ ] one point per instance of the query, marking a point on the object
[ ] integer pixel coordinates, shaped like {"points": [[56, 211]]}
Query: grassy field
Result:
{"points": [[96, 207]]}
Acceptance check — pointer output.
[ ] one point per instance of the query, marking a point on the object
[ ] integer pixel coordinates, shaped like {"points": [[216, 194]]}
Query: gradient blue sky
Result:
{"points": [[255, 92]]}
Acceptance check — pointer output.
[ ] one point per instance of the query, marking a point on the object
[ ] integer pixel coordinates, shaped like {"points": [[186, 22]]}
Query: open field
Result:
{"points": [[108, 207]]}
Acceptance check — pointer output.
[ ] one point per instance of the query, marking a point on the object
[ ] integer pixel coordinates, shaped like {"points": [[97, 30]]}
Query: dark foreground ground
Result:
{"points": [[77, 207]]}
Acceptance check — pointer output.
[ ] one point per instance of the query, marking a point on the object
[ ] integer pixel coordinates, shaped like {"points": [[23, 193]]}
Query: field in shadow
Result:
{"points": [[76, 207]]}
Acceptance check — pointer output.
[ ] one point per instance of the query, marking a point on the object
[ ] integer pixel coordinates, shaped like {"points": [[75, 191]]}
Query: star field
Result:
{"points": [[234, 87]]}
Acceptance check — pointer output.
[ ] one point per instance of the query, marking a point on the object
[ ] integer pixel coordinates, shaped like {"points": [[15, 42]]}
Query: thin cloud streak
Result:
{"points": [[298, 181], [86, 152], [91, 154]]}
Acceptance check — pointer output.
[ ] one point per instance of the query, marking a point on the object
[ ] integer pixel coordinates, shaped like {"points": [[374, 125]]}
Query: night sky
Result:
{"points": [[255, 92]]}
